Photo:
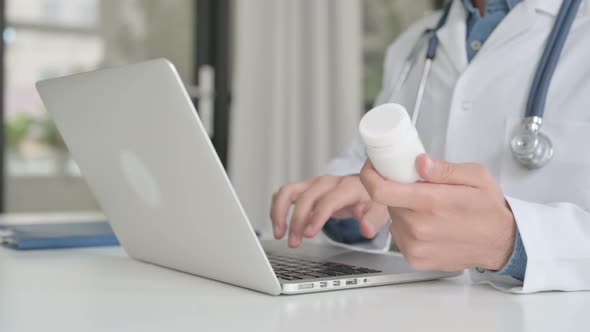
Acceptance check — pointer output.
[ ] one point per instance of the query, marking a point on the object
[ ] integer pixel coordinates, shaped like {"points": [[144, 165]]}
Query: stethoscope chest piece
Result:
{"points": [[531, 148]]}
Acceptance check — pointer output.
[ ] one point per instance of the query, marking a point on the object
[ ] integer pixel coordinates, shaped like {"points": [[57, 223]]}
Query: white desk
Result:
{"points": [[103, 290]]}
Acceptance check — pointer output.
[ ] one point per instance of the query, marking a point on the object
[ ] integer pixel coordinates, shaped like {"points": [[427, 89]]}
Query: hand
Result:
{"points": [[457, 219], [317, 199]]}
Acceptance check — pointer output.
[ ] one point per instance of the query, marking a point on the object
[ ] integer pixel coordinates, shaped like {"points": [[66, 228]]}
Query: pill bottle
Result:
{"points": [[392, 142]]}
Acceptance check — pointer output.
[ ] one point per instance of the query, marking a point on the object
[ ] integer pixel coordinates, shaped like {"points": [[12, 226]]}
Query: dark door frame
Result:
{"points": [[2, 133], [213, 25]]}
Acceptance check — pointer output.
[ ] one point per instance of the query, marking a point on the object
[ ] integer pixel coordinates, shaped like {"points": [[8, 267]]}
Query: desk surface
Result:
{"points": [[103, 290]]}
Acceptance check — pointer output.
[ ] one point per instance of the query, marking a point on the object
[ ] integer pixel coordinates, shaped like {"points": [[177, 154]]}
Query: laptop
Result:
{"points": [[139, 143]]}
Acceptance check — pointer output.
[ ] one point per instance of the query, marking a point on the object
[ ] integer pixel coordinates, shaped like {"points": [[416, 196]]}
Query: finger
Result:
{"points": [[399, 228], [281, 203], [415, 226], [439, 171], [396, 235], [335, 200], [395, 194], [402, 218], [358, 210], [303, 207], [344, 214], [373, 220]]}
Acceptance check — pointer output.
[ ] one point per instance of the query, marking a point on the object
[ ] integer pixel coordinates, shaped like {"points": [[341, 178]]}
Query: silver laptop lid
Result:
{"points": [[142, 149]]}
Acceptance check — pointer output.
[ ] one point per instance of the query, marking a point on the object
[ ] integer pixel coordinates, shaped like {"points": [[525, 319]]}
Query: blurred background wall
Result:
{"points": [[297, 92], [281, 83]]}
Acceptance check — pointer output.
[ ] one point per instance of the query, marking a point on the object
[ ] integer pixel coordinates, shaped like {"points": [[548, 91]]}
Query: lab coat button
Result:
{"points": [[466, 106]]}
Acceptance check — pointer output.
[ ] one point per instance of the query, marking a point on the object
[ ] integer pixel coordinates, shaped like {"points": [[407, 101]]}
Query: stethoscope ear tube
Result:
{"points": [[421, 89], [428, 35], [409, 63], [430, 55]]}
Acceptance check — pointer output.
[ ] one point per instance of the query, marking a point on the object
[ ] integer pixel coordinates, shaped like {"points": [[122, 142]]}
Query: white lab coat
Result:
{"points": [[470, 111]]}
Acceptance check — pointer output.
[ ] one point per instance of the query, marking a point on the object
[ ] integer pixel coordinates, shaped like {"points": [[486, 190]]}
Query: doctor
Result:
{"points": [[519, 229]]}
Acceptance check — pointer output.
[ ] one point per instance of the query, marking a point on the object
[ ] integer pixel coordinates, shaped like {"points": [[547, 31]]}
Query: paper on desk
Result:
{"points": [[49, 218], [4, 234]]}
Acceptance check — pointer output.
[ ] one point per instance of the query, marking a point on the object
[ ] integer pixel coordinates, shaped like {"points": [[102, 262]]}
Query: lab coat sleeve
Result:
{"points": [[350, 161], [556, 238]]}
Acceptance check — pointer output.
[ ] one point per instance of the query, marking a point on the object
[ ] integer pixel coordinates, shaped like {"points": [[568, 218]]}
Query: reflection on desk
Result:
{"points": [[102, 289]]}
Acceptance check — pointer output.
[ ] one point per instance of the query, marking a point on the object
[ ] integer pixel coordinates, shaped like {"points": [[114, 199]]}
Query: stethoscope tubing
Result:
{"points": [[550, 58]]}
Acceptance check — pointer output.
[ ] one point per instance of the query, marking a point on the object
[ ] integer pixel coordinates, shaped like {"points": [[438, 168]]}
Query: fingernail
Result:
{"points": [[277, 229], [309, 230], [429, 164], [292, 240], [296, 241], [369, 229]]}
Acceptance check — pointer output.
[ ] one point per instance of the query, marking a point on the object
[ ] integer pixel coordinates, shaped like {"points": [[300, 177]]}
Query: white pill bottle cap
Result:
{"points": [[391, 142]]}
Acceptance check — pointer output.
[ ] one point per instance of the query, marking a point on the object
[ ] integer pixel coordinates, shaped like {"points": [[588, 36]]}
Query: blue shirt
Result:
{"points": [[479, 28]]}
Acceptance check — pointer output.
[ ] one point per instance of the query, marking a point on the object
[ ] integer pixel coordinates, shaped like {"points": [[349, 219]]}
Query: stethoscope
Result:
{"points": [[530, 147]]}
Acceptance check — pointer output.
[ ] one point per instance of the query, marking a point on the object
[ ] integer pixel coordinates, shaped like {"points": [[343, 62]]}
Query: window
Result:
{"points": [[49, 38]]}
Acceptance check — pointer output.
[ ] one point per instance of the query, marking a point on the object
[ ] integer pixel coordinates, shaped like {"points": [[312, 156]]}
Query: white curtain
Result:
{"points": [[297, 95]]}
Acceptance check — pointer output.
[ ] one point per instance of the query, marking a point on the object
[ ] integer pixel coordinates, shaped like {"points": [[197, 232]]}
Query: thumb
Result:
{"points": [[440, 171]]}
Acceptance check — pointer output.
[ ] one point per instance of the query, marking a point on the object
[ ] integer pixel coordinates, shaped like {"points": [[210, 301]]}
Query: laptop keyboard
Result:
{"points": [[291, 268]]}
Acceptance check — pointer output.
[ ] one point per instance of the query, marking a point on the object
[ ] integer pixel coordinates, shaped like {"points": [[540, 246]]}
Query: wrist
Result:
{"points": [[504, 242]]}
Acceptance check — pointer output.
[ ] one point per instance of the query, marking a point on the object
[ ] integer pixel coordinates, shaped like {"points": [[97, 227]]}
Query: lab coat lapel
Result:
{"points": [[520, 19], [452, 36], [547, 6], [552, 7]]}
